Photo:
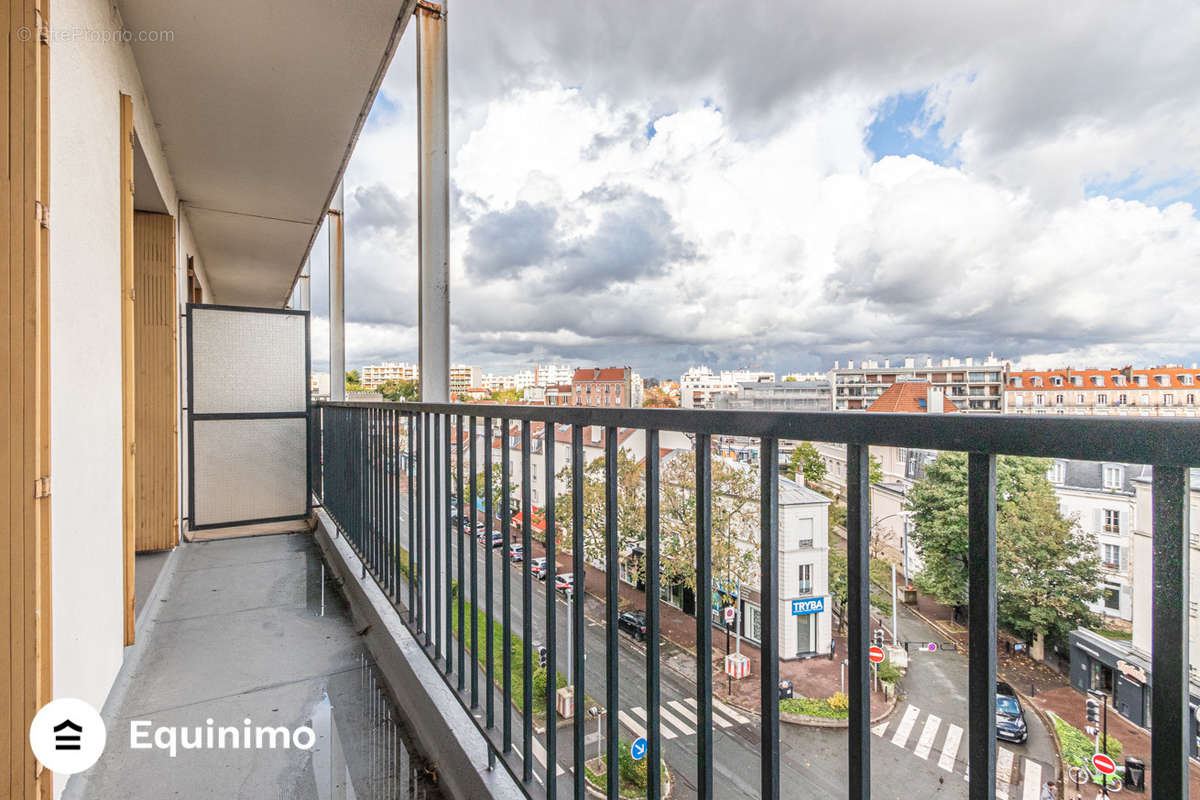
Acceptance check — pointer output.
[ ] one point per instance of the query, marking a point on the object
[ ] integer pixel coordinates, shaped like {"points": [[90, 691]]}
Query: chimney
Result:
{"points": [[596, 434], [910, 363], [934, 398]]}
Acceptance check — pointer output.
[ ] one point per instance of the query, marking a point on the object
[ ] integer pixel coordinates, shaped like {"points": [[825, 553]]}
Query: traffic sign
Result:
{"points": [[875, 654], [931, 647], [1103, 764], [730, 613], [638, 748]]}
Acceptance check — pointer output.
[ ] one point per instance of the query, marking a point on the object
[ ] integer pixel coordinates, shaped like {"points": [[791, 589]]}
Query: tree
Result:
{"points": [[807, 461], [735, 546], [1047, 568], [875, 471], [397, 391], [631, 509], [353, 381], [506, 396], [655, 397]]}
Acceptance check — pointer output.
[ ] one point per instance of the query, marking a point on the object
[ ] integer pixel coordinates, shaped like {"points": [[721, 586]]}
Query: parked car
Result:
{"points": [[516, 552], [1010, 716], [497, 538], [634, 622], [538, 567], [565, 583]]}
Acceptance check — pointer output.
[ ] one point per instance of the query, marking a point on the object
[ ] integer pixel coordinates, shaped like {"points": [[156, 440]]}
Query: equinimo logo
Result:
{"points": [[209, 736]]}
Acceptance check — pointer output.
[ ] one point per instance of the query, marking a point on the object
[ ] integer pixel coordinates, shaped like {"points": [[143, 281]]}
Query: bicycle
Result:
{"points": [[1087, 774]]}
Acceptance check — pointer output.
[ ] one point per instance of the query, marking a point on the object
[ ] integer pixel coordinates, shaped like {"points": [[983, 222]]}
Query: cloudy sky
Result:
{"points": [[786, 184]]}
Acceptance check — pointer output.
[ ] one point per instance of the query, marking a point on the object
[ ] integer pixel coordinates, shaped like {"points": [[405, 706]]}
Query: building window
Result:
{"points": [[805, 585], [1057, 473], [1112, 597], [1101, 399], [1168, 399], [1122, 399], [1114, 477], [1020, 400], [1145, 399], [1112, 520], [1190, 399], [1057, 380], [1016, 381], [1039, 399], [1080, 399], [1111, 556], [752, 628], [1058, 399]]}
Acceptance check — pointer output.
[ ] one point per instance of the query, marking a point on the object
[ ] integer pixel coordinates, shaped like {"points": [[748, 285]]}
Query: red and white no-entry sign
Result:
{"points": [[875, 654], [1103, 764]]}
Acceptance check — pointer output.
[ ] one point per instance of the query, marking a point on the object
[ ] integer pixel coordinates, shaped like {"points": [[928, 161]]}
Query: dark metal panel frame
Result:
{"points": [[193, 417]]}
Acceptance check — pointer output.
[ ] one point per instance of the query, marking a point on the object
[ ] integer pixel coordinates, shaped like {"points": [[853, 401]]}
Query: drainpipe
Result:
{"points": [[337, 297], [433, 125]]}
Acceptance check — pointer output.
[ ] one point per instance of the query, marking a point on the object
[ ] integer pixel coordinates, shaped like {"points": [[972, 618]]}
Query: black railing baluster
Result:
{"points": [[612, 608], [474, 632], [448, 532], [576, 600], [438, 530], [526, 612], [769, 609], [506, 581], [1170, 635], [653, 727], [981, 635], [548, 432], [489, 555], [427, 473], [411, 467], [858, 535], [704, 744], [459, 530]]}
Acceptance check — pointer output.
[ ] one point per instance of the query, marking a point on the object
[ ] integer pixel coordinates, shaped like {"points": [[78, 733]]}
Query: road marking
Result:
{"points": [[880, 729], [667, 733], [676, 721], [717, 718], [684, 710], [1033, 780], [900, 737], [539, 753], [729, 712], [950, 747], [928, 733], [1004, 765], [632, 724]]}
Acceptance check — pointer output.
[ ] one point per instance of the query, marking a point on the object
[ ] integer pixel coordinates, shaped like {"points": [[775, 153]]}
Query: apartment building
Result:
{"points": [[1099, 497], [608, 386], [552, 374], [700, 385], [778, 396], [974, 386], [372, 376], [1122, 669], [1164, 391], [560, 395], [464, 378]]}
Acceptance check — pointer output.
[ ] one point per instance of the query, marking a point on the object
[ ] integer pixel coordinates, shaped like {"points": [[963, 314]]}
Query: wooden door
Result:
{"points": [[155, 406]]}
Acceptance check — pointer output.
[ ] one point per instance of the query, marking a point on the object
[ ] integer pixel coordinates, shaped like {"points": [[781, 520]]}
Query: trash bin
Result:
{"points": [[1135, 774], [785, 690]]}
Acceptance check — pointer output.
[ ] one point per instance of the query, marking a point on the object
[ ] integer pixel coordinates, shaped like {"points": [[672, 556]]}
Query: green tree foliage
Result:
{"points": [[875, 471], [1047, 567], [735, 497], [397, 391], [631, 508], [353, 381], [655, 397], [806, 461], [506, 396]]}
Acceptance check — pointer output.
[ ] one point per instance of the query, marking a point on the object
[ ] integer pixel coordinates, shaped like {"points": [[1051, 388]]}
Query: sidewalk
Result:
{"points": [[1067, 703]]}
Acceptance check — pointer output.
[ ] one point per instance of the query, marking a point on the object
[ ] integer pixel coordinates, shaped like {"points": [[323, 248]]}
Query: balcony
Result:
{"points": [[398, 525]]}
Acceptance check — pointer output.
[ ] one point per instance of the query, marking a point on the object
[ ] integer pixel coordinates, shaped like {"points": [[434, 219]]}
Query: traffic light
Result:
{"points": [[541, 656], [1093, 710], [878, 637]]}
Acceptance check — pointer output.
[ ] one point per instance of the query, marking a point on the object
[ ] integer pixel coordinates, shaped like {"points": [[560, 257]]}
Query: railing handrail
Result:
{"points": [[1166, 442]]}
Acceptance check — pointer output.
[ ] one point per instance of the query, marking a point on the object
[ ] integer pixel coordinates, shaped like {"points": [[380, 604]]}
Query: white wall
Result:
{"points": [[85, 341]]}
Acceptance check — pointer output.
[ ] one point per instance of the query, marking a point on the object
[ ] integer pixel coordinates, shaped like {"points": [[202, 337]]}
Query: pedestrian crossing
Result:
{"points": [[1009, 766], [679, 718]]}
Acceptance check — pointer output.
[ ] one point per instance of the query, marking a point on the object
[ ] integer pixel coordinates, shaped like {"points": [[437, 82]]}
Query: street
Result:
{"points": [[921, 747]]}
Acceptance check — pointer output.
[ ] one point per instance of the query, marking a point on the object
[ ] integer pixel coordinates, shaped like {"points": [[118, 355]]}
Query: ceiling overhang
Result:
{"points": [[258, 107]]}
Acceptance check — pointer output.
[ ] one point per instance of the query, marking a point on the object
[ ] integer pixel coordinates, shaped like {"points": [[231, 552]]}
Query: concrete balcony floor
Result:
{"points": [[253, 628]]}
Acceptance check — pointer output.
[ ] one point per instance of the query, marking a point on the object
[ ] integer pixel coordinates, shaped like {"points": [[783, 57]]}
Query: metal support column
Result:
{"points": [[433, 143], [337, 297]]}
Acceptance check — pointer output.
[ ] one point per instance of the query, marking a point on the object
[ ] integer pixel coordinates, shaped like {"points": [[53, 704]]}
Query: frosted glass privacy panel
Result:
{"points": [[249, 469], [246, 362]]}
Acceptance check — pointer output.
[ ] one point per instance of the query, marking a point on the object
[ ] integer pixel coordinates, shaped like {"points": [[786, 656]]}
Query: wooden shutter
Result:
{"points": [[156, 407]]}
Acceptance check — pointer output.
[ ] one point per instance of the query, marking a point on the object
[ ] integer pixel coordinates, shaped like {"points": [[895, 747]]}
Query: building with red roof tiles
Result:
{"points": [[913, 397], [609, 387], [1164, 391]]}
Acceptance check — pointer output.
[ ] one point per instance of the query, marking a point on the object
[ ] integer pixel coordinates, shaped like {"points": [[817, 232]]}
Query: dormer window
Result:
{"points": [[1118, 380], [1077, 380], [1142, 380], [1057, 380], [1186, 380], [1097, 380], [1163, 380], [1114, 476], [1016, 382], [1035, 381]]}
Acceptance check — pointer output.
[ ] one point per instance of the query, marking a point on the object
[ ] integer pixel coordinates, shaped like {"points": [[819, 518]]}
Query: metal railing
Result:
{"points": [[377, 459]]}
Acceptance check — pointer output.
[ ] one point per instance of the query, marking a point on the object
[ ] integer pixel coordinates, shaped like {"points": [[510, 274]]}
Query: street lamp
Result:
{"points": [[597, 714]]}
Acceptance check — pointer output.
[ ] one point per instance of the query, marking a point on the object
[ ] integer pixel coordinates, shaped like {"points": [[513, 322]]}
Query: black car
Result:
{"points": [[1010, 715], [634, 622]]}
